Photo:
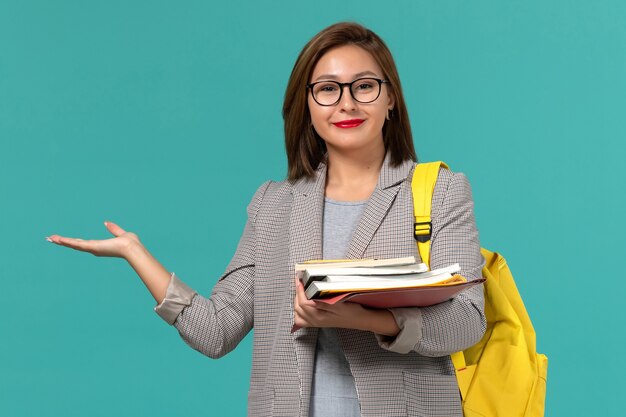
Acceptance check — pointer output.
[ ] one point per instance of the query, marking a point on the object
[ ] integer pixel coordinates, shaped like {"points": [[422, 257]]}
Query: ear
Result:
{"points": [[391, 100]]}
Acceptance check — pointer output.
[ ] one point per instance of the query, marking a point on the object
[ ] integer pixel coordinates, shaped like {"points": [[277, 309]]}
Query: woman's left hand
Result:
{"points": [[309, 313]]}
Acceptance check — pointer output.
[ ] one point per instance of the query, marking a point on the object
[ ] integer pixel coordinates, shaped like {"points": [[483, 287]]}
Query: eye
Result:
{"points": [[326, 88], [364, 85]]}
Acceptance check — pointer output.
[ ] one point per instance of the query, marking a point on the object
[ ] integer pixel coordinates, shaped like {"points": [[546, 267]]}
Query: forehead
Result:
{"points": [[344, 63]]}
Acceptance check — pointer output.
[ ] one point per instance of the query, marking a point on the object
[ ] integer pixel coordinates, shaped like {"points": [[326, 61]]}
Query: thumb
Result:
{"points": [[114, 229]]}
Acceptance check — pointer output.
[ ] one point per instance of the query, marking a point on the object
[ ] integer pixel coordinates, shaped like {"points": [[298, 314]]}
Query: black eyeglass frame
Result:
{"points": [[341, 88]]}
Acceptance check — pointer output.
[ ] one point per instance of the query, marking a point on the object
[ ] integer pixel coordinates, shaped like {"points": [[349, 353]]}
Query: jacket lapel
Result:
{"points": [[380, 201], [305, 243]]}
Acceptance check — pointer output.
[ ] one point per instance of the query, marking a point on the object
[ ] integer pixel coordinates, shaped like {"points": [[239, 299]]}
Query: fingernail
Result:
{"points": [[106, 223], [48, 239]]}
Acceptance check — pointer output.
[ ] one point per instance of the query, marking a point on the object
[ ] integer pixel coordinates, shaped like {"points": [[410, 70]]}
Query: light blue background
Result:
{"points": [[165, 117]]}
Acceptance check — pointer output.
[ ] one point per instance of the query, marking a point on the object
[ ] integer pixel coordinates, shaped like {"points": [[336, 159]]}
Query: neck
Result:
{"points": [[352, 177]]}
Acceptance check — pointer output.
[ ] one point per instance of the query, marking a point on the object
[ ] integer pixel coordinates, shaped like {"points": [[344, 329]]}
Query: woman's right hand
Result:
{"points": [[124, 245], [118, 247]]}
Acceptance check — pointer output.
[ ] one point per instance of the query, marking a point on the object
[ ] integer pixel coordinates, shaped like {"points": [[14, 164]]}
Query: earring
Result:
{"points": [[389, 114]]}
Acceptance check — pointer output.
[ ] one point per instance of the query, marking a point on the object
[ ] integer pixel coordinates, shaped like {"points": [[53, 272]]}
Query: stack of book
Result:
{"points": [[381, 283]]}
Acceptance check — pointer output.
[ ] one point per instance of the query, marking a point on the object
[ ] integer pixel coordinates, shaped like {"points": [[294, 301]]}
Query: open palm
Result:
{"points": [[114, 247]]}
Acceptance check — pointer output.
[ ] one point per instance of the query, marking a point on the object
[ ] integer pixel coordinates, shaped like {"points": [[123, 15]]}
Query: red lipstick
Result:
{"points": [[347, 124]]}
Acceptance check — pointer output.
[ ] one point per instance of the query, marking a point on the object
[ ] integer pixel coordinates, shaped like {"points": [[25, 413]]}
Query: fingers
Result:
{"points": [[301, 296], [55, 239], [114, 228], [73, 243], [299, 314], [304, 301], [67, 241], [325, 306], [306, 312]]}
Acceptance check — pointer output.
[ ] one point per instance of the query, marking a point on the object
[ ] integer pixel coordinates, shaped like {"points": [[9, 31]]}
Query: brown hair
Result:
{"points": [[305, 148]]}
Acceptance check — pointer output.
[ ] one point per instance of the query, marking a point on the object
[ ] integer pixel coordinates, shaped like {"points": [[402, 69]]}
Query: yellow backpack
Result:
{"points": [[502, 375]]}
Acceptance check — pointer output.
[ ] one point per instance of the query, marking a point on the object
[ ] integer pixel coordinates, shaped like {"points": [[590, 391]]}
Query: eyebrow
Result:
{"points": [[334, 77]]}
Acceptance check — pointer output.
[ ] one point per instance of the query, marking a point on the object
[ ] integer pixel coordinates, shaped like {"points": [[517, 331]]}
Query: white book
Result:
{"points": [[318, 274], [452, 269]]}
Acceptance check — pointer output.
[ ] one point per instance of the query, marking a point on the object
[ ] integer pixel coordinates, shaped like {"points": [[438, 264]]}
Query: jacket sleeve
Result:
{"points": [[215, 325], [459, 323]]}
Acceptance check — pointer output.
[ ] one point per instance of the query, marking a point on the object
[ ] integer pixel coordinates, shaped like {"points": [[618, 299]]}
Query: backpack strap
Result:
{"points": [[423, 186]]}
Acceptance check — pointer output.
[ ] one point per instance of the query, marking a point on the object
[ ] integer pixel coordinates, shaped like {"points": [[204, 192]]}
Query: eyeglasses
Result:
{"points": [[329, 93]]}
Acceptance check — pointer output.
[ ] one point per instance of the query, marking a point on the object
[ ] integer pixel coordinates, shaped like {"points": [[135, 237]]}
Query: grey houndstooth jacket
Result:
{"points": [[409, 375]]}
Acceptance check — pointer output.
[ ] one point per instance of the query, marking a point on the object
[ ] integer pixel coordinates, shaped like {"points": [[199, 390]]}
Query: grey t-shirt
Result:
{"points": [[333, 392]]}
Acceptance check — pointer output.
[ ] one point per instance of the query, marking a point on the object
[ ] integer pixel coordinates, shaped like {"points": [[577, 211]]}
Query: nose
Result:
{"points": [[347, 102]]}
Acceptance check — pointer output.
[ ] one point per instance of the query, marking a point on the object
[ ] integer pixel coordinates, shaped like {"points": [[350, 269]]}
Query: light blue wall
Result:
{"points": [[137, 112]]}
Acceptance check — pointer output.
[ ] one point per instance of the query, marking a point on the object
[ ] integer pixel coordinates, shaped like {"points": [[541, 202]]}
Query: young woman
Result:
{"points": [[348, 195]]}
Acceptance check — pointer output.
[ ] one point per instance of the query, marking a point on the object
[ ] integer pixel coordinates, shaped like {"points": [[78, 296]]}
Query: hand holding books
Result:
{"points": [[310, 313]]}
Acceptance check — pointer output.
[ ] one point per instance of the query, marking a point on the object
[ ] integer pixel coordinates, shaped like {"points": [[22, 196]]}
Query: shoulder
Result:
{"points": [[269, 196], [450, 187], [451, 190]]}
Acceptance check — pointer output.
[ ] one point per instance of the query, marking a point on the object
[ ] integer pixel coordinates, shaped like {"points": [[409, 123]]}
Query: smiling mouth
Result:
{"points": [[347, 124]]}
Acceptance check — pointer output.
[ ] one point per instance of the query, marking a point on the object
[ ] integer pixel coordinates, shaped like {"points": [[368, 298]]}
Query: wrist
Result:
{"points": [[381, 322], [133, 250]]}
